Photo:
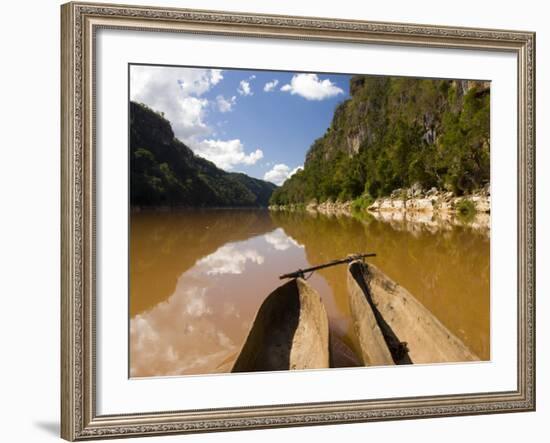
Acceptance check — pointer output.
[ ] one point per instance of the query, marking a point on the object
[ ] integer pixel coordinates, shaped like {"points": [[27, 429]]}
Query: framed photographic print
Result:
{"points": [[281, 221]]}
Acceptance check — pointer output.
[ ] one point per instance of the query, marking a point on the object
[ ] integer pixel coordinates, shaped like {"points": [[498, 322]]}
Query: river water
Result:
{"points": [[198, 277]]}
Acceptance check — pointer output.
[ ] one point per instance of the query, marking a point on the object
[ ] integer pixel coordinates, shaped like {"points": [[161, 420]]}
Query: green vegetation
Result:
{"points": [[466, 207], [466, 210], [165, 172], [361, 203], [395, 132]]}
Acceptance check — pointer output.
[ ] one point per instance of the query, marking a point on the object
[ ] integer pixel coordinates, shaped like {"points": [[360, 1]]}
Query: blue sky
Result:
{"points": [[258, 122]]}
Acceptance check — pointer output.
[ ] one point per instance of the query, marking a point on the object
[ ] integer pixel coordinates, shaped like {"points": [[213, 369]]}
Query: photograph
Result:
{"points": [[283, 217], [288, 220]]}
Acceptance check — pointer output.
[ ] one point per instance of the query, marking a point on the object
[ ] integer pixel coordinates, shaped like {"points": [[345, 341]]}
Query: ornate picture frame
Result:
{"points": [[80, 22]]}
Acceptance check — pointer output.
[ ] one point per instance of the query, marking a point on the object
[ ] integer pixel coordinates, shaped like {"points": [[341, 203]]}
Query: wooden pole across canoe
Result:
{"points": [[348, 259]]}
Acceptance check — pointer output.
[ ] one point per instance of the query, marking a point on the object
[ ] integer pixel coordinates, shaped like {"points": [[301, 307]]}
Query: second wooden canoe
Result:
{"points": [[290, 331], [393, 327]]}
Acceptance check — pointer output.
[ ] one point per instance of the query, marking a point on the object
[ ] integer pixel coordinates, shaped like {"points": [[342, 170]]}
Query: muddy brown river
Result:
{"points": [[198, 277]]}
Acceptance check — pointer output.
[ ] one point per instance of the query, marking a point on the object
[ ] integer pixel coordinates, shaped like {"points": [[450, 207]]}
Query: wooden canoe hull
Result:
{"points": [[290, 331], [380, 307]]}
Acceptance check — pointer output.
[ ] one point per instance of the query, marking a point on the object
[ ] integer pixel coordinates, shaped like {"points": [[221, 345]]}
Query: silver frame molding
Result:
{"points": [[79, 22]]}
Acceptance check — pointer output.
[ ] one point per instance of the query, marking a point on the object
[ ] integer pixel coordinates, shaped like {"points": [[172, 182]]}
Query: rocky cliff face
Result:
{"points": [[395, 132]]}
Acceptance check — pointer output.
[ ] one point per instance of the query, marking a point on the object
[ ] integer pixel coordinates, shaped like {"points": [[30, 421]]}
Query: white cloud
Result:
{"points": [[176, 92], [226, 153], [311, 87], [191, 117], [225, 104], [280, 173], [270, 86], [244, 88], [216, 76]]}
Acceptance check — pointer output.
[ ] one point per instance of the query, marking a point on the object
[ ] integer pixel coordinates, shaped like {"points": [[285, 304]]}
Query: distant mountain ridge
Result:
{"points": [[166, 172]]}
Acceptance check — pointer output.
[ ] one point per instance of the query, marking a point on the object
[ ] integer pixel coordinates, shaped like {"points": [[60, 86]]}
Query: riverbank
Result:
{"points": [[418, 200], [414, 200], [432, 209], [328, 207], [164, 209]]}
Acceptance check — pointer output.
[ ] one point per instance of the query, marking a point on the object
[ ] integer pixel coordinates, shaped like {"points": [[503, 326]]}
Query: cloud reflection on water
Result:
{"points": [[199, 288], [229, 260], [202, 324], [280, 240], [185, 333]]}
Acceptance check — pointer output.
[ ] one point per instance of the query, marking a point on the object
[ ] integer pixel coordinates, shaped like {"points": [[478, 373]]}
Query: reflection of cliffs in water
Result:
{"points": [[447, 270], [168, 244], [418, 221]]}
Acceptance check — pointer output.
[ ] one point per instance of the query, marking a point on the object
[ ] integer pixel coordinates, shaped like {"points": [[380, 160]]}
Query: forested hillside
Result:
{"points": [[395, 132], [165, 172]]}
